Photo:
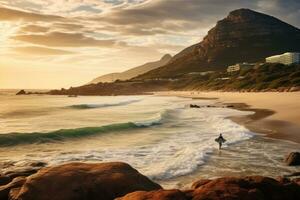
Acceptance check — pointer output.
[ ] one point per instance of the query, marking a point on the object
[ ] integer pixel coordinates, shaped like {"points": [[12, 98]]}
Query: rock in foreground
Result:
{"points": [[157, 195], [15, 183], [80, 181], [293, 159], [253, 187], [109, 181], [228, 188]]}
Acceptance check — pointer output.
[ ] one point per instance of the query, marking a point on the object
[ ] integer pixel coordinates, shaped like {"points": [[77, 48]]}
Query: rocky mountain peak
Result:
{"points": [[243, 13], [243, 36]]}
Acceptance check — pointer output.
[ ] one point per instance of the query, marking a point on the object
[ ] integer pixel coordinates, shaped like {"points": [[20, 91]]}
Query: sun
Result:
{"points": [[7, 29]]}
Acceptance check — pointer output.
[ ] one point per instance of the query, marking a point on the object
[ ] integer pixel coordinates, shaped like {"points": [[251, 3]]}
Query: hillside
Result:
{"points": [[243, 36], [126, 75], [267, 77]]}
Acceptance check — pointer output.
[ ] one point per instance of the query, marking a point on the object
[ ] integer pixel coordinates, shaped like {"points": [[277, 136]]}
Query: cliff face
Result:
{"points": [[243, 36], [126, 75]]}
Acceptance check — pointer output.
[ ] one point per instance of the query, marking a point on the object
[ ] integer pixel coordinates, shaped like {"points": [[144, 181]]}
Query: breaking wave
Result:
{"points": [[11, 139], [91, 106]]}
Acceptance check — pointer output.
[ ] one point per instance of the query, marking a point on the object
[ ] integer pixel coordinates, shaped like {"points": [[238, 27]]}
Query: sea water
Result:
{"points": [[162, 137]]}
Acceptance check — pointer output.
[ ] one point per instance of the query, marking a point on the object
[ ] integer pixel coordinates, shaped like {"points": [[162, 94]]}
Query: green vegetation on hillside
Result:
{"points": [[266, 77]]}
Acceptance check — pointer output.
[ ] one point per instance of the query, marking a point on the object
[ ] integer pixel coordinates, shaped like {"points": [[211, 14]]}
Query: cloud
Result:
{"points": [[34, 28], [184, 16], [34, 50], [142, 30], [160, 11], [59, 39], [69, 26], [286, 10], [7, 14]]}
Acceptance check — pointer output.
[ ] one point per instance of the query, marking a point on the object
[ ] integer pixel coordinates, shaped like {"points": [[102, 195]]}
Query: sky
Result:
{"points": [[61, 43]]}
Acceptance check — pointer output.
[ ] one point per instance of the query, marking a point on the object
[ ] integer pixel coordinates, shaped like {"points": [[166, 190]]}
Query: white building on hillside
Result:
{"points": [[239, 66], [286, 58]]}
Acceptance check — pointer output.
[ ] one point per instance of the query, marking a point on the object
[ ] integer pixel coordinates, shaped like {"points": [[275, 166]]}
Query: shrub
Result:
{"points": [[278, 83], [296, 81], [260, 86], [295, 74]]}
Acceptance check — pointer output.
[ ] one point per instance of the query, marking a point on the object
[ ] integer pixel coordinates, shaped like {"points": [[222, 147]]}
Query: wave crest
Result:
{"points": [[91, 106], [11, 139]]}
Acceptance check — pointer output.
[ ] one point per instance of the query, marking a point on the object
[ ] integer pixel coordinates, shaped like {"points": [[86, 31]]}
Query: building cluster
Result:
{"points": [[240, 66], [286, 59]]}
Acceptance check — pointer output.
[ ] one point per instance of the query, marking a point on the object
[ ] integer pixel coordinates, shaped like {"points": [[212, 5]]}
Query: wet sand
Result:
{"points": [[275, 114]]}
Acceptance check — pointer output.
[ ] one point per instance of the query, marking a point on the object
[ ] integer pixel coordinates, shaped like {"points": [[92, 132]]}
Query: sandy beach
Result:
{"points": [[276, 114]]}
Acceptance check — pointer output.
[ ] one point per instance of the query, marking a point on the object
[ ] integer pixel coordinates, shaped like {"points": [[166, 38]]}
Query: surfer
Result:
{"points": [[220, 140]]}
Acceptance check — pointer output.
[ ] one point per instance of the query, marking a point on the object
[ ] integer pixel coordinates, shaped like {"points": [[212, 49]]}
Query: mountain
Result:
{"points": [[243, 36], [126, 75]]}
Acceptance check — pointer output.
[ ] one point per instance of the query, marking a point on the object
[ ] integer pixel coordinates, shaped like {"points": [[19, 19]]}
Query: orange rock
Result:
{"points": [[155, 195], [81, 181], [293, 159], [5, 189], [254, 187]]}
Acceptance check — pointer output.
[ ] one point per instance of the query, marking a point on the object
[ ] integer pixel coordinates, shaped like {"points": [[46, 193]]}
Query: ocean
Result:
{"points": [[162, 137]]}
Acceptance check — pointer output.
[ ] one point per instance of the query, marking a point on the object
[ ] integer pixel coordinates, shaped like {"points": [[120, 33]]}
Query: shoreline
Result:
{"points": [[268, 120], [256, 123]]}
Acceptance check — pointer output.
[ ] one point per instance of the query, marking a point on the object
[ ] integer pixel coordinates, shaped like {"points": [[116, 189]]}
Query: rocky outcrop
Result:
{"points": [[5, 190], [156, 195], [108, 181], [21, 92], [20, 172], [293, 159], [243, 36], [73, 181], [294, 89], [199, 183], [254, 187], [229, 188], [4, 179]]}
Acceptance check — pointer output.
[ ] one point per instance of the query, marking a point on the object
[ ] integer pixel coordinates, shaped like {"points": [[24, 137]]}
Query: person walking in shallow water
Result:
{"points": [[220, 140]]}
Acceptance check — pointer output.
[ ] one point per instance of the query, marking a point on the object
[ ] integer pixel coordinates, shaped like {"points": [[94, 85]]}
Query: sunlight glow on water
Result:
{"points": [[160, 136]]}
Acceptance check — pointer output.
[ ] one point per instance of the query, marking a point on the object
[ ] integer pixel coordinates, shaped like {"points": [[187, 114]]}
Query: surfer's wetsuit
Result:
{"points": [[220, 140]]}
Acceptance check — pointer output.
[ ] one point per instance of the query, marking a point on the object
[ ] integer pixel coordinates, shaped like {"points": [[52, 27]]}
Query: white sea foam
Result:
{"points": [[181, 142], [187, 140]]}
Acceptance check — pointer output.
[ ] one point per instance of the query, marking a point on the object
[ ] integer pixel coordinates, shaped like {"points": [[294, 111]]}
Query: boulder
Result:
{"points": [[21, 92], [80, 181], [293, 174], [13, 193], [4, 179], [227, 188], [199, 183], [293, 159], [297, 181], [247, 188], [20, 172], [194, 106], [294, 89], [5, 189], [155, 195], [38, 164]]}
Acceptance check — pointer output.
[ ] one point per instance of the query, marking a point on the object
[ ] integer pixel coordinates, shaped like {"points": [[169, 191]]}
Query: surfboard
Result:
{"points": [[220, 140]]}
